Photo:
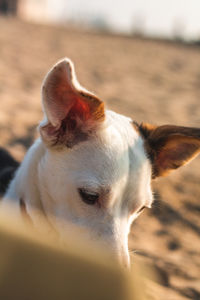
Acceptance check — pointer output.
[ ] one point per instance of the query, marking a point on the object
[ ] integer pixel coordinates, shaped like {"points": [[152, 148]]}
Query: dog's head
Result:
{"points": [[98, 165]]}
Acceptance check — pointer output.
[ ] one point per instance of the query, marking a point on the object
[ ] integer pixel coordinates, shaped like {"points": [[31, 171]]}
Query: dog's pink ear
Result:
{"points": [[169, 147], [72, 112]]}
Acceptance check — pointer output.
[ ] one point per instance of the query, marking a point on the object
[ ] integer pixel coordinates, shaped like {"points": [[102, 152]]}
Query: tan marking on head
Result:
{"points": [[169, 146], [135, 126]]}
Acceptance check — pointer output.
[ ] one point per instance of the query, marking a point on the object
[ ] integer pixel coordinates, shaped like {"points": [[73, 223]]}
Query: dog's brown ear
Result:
{"points": [[72, 112], [169, 147]]}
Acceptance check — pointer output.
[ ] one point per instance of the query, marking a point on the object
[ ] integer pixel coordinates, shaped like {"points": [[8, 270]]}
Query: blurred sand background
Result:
{"points": [[152, 81]]}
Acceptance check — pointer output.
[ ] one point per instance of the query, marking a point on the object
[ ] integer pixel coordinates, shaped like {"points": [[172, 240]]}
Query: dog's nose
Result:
{"points": [[121, 255]]}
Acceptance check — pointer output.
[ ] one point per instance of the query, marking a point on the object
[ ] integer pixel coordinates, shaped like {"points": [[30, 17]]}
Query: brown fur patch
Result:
{"points": [[136, 126], [97, 109], [169, 146], [144, 130]]}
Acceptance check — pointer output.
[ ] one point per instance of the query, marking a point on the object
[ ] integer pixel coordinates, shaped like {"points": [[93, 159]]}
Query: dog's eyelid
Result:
{"points": [[91, 186], [89, 198], [89, 190]]}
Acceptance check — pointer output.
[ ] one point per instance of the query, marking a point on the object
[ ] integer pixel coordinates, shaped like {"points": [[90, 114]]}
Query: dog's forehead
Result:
{"points": [[109, 157]]}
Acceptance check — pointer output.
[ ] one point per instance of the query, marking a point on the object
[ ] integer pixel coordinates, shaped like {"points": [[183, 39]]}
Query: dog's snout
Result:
{"points": [[121, 256], [125, 260], [115, 238], [124, 256], [120, 250]]}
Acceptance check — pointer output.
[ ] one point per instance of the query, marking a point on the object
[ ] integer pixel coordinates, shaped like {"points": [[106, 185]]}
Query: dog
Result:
{"points": [[92, 167]]}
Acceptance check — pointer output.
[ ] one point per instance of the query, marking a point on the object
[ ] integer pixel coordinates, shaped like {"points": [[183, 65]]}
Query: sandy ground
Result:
{"points": [[149, 81]]}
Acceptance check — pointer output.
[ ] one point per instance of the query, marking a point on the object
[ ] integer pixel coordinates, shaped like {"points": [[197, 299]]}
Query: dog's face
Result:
{"points": [[101, 183], [97, 168]]}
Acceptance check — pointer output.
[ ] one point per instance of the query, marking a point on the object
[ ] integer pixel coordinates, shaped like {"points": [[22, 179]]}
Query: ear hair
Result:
{"points": [[169, 146], [72, 112]]}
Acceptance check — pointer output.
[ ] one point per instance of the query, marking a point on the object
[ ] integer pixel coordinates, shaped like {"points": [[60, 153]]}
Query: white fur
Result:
{"points": [[113, 162]]}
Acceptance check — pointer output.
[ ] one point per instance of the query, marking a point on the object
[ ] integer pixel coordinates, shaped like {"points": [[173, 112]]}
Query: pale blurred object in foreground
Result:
{"points": [[34, 266]]}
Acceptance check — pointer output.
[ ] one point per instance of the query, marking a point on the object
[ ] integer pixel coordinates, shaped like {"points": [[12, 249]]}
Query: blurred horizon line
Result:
{"points": [[171, 20]]}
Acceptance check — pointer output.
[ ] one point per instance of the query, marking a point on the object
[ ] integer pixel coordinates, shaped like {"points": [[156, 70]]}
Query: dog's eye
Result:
{"points": [[141, 209], [88, 197]]}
